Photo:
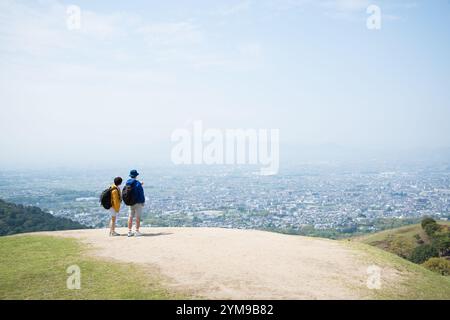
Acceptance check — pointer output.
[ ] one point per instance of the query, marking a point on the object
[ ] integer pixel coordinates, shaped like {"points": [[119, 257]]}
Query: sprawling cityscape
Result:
{"points": [[325, 200]]}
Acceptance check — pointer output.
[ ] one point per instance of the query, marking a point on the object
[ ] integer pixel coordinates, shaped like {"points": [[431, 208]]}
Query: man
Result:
{"points": [[135, 210], [116, 200]]}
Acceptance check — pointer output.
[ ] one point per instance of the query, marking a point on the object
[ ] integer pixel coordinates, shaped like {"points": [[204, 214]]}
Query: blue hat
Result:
{"points": [[134, 173]]}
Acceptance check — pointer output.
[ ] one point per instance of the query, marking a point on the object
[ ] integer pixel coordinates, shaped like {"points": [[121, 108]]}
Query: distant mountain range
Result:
{"points": [[18, 219]]}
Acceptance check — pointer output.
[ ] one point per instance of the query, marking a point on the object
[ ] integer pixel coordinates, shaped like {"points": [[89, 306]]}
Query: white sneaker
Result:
{"points": [[130, 233], [137, 234], [114, 234]]}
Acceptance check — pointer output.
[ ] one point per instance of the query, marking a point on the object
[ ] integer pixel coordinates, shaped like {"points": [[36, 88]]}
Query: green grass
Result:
{"points": [[405, 235], [34, 267], [420, 283], [382, 236], [416, 283], [407, 231]]}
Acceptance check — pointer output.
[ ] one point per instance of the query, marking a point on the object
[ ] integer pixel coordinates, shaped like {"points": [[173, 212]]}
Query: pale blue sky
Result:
{"points": [[138, 70]]}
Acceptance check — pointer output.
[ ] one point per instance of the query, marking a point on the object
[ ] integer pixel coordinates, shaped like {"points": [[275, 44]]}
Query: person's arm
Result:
{"points": [[141, 192], [115, 200]]}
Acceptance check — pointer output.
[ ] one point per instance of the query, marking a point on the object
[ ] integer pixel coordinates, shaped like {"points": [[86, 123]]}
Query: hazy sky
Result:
{"points": [[115, 89]]}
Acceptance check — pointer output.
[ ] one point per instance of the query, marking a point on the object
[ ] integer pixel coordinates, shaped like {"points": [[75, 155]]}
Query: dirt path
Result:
{"points": [[240, 264]]}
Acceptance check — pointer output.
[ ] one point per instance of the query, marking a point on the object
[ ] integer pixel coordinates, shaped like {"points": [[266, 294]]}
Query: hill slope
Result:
{"points": [[400, 241], [18, 219], [248, 264], [35, 267]]}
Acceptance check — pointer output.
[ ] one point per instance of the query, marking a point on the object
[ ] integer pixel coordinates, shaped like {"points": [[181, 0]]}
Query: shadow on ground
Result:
{"points": [[150, 234]]}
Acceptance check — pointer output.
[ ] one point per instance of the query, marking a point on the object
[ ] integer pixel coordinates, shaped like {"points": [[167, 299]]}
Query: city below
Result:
{"points": [[321, 200]]}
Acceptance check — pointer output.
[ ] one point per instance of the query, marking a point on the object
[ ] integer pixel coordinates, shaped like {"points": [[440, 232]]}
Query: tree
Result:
{"points": [[439, 235], [17, 218], [441, 240], [431, 229], [427, 220], [424, 252]]}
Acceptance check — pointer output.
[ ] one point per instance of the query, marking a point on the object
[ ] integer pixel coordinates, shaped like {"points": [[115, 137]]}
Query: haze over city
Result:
{"points": [[132, 74]]}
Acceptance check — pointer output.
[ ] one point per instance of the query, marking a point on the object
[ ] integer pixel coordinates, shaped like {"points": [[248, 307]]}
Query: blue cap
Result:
{"points": [[134, 173]]}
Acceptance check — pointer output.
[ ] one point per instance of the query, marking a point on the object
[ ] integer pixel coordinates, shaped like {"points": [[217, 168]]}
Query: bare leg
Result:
{"points": [[130, 223], [112, 225], [138, 223]]}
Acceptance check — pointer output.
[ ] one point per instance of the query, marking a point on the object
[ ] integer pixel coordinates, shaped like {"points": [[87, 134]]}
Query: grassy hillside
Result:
{"points": [[398, 246], [401, 241], [418, 283], [18, 219], [34, 267]]}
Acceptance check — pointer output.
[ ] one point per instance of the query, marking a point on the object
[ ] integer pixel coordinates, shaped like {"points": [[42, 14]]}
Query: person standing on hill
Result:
{"points": [[133, 196], [116, 200]]}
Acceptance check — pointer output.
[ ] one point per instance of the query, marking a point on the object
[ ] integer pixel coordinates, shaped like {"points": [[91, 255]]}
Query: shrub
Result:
{"points": [[441, 240], [430, 226], [424, 252], [402, 247], [431, 229], [439, 265], [418, 239], [427, 220]]}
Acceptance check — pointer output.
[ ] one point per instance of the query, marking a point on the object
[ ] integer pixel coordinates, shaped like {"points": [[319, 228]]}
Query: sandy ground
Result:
{"points": [[239, 264]]}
